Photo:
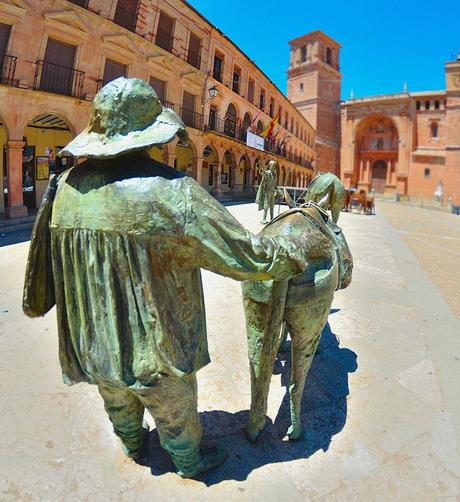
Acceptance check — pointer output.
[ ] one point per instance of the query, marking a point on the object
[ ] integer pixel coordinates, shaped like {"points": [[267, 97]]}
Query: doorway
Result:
{"points": [[379, 176]]}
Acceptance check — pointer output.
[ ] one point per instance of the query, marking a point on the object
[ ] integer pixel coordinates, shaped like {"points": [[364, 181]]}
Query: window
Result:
{"points": [[303, 54], [262, 99], [427, 105], [236, 80], [230, 121], [160, 88], [57, 72], [426, 172], [436, 104], [251, 90], [434, 129], [165, 32], [213, 118], [126, 14], [301, 86], [328, 56], [194, 50], [272, 108], [417, 105], [260, 126], [5, 30], [218, 67], [81, 3], [188, 109], [113, 70], [286, 121]]}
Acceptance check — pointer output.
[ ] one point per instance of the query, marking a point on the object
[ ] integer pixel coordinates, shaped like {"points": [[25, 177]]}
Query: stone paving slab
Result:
{"points": [[380, 403]]}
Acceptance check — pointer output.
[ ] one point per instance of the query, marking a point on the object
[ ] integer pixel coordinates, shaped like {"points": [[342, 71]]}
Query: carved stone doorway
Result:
{"points": [[379, 176]]}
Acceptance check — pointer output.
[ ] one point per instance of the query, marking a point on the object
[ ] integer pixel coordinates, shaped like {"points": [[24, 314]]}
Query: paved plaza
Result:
{"points": [[381, 404]]}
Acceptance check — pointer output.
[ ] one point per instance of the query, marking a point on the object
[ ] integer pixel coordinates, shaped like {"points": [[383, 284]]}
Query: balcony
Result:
{"points": [[191, 118], [51, 77], [7, 69], [227, 127]]}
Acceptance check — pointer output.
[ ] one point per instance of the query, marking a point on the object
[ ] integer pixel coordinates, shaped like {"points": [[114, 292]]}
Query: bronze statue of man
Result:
{"points": [[127, 236], [266, 194]]}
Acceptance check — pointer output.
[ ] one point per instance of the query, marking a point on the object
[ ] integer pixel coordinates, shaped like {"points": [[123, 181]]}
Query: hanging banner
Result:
{"points": [[254, 141]]}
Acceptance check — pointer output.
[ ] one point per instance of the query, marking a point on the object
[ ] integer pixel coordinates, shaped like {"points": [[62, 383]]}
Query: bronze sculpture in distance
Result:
{"points": [[267, 192]]}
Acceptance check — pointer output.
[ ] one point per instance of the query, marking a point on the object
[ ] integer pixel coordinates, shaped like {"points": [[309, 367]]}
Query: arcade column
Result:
{"points": [[15, 208]]}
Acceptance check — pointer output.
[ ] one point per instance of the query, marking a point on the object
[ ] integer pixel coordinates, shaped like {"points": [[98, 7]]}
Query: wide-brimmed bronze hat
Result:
{"points": [[127, 115]]}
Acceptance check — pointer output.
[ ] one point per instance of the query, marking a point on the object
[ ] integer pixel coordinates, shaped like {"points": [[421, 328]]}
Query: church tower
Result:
{"points": [[314, 87]]}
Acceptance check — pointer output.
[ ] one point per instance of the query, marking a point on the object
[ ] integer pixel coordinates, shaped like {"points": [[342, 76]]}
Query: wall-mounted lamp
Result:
{"points": [[213, 92]]}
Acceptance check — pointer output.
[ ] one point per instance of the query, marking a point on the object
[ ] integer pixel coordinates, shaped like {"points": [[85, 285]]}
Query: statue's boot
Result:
{"points": [[199, 462]]}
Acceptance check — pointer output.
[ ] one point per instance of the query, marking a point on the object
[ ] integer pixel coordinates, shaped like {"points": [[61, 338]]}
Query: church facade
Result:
{"points": [[406, 143]]}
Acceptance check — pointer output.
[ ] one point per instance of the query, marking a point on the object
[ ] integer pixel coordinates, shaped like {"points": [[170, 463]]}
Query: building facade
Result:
{"points": [[50, 74], [406, 143], [314, 86]]}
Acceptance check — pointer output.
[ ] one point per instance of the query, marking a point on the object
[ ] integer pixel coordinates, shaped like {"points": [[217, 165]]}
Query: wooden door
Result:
{"points": [[159, 87], [164, 38], [126, 14], [379, 176], [57, 71], [113, 70]]}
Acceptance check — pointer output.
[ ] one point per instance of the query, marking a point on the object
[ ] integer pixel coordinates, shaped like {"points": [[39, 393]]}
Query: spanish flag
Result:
{"points": [[268, 131]]}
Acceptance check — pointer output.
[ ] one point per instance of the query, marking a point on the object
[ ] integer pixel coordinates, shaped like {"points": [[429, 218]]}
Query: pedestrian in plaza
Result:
{"points": [[121, 259]]}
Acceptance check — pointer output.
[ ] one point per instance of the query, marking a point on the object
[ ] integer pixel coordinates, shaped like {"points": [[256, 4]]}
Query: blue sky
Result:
{"points": [[384, 43]]}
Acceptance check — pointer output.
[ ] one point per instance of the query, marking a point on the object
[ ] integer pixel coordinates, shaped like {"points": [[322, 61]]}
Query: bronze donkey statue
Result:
{"points": [[301, 304]]}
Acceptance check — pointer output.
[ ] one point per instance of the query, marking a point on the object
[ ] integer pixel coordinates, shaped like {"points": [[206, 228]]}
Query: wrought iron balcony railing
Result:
{"points": [[7, 69], [191, 118], [59, 79]]}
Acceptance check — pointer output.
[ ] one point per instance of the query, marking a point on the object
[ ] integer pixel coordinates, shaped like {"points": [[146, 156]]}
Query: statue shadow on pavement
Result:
{"points": [[324, 414]]}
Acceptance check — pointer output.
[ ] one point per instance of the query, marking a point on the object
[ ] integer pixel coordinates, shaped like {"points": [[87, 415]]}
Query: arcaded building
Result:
{"points": [[406, 143], [56, 54]]}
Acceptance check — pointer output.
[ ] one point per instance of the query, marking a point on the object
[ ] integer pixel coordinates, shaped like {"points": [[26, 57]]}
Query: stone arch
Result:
{"points": [[375, 137], [185, 158], [42, 137], [244, 176], [246, 120], [210, 165]]}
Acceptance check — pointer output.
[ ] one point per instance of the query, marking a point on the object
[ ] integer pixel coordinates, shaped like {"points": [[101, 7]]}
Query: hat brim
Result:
{"points": [[96, 145]]}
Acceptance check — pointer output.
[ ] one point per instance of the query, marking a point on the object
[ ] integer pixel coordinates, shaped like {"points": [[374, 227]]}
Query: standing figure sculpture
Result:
{"points": [[266, 194], [118, 245], [302, 304]]}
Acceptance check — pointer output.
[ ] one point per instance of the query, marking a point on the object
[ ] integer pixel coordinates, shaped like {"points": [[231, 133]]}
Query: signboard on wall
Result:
{"points": [[42, 171], [254, 141]]}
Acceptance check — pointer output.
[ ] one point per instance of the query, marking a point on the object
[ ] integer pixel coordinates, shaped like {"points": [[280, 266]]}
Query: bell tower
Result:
{"points": [[314, 87], [452, 170]]}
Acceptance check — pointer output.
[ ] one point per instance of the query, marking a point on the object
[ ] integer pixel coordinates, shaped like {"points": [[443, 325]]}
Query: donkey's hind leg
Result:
{"points": [[305, 322]]}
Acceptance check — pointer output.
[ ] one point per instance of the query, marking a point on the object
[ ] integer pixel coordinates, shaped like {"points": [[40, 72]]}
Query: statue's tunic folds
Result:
{"points": [[128, 239]]}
